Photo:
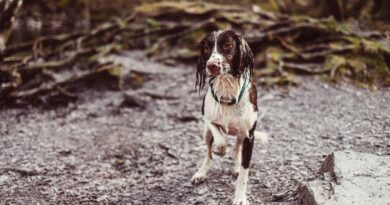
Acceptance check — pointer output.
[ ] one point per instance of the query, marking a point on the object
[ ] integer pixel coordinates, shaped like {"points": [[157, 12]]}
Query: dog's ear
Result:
{"points": [[246, 60], [201, 68], [243, 58]]}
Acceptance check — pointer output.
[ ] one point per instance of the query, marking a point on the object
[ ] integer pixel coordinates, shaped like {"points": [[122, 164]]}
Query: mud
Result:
{"points": [[99, 150]]}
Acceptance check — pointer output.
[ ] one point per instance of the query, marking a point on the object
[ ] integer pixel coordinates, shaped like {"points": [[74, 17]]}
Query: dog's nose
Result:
{"points": [[214, 69]]}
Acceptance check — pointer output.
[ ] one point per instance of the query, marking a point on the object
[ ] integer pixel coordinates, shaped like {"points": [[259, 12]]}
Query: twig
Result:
{"points": [[51, 86], [168, 38], [22, 172]]}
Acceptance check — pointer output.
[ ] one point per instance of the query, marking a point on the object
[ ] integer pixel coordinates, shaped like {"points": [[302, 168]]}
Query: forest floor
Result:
{"points": [[98, 150]]}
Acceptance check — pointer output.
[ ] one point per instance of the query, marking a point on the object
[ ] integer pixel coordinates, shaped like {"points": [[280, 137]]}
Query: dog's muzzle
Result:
{"points": [[214, 68]]}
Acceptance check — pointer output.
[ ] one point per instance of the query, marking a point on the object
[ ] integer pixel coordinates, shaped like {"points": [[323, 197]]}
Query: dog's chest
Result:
{"points": [[226, 115]]}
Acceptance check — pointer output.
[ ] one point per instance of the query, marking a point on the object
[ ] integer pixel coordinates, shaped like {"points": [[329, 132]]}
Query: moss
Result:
{"points": [[194, 37], [274, 53], [337, 26], [186, 54], [374, 47], [116, 71], [368, 71], [194, 8], [152, 23]]}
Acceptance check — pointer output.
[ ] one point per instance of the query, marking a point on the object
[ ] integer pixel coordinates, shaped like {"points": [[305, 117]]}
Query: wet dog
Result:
{"points": [[230, 105]]}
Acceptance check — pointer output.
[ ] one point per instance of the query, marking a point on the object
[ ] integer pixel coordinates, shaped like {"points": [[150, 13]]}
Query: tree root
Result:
{"points": [[302, 45]]}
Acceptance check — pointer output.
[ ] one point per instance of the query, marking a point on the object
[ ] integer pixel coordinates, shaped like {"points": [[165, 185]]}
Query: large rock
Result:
{"points": [[349, 178]]}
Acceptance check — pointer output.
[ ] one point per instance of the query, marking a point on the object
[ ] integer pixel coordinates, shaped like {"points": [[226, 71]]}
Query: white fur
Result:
{"points": [[200, 175], [216, 57], [237, 157], [219, 136], [235, 120], [241, 185], [241, 115], [262, 137]]}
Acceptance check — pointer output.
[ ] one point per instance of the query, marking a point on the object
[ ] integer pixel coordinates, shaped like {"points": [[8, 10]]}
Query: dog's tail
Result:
{"points": [[262, 137]]}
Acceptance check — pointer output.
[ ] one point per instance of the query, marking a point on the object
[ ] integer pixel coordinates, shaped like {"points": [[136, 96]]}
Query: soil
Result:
{"points": [[142, 146]]}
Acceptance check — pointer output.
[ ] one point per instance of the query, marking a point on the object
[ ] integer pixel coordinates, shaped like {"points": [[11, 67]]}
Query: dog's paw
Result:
{"points": [[240, 201], [240, 198], [219, 150], [198, 177]]}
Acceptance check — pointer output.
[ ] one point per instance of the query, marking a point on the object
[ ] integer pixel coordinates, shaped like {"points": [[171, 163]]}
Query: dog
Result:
{"points": [[230, 104]]}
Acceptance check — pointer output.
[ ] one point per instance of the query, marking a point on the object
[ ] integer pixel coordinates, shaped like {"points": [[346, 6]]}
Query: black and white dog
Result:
{"points": [[230, 105]]}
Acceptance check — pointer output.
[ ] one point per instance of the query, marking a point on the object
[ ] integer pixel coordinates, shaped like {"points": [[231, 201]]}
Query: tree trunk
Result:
{"points": [[8, 11]]}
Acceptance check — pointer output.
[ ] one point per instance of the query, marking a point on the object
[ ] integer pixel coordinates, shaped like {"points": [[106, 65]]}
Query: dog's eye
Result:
{"points": [[227, 46], [206, 49]]}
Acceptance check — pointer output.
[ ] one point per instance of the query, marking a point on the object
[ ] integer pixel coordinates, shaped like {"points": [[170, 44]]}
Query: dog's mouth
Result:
{"points": [[227, 100], [213, 72]]}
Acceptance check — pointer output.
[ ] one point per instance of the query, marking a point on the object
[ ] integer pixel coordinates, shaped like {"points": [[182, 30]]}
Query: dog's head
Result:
{"points": [[223, 52]]}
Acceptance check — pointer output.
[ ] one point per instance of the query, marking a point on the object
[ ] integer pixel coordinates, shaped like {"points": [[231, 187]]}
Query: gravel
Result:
{"points": [[97, 151]]}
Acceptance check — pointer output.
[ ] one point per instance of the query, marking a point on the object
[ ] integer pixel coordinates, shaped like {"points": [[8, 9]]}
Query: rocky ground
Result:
{"points": [[142, 146], [348, 177]]}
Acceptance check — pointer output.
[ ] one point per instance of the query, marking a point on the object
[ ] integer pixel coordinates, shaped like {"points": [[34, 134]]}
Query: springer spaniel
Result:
{"points": [[230, 105]]}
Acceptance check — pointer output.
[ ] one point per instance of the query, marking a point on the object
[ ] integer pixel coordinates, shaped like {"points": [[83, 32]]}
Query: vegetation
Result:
{"points": [[284, 46]]}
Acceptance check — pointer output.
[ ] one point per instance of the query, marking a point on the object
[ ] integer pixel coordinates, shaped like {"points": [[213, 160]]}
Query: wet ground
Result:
{"points": [[99, 150]]}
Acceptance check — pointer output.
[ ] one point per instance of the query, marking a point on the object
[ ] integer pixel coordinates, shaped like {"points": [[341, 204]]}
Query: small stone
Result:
{"points": [[101, 198], [3, 178]]}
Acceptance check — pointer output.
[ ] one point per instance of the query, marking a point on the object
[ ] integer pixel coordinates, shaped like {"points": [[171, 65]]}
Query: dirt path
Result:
{"points": [[95, 151]]}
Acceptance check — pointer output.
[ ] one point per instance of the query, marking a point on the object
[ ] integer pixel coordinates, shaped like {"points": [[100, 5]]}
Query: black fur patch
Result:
{"points": [[210, 145], [253, 96], [247, 148]]}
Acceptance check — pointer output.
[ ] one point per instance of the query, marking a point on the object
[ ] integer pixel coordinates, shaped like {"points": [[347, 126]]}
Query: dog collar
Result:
{"points": [[234, 100]]}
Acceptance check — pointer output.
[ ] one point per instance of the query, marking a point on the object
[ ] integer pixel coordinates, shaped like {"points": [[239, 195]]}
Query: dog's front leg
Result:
{"points": [[237, 155], [220, 142], [242, 180], [200, 175]]}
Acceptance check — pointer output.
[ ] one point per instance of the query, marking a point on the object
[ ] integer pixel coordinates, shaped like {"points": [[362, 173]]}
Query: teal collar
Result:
{"points": [[234, 100]]}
